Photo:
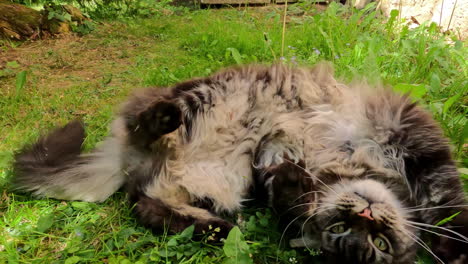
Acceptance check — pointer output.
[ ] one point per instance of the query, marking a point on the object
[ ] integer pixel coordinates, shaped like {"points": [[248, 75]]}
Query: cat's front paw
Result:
{"points": [[216, 229], [160, 118], [275, 153], [149, 124], [462, 259], [453, 251]]}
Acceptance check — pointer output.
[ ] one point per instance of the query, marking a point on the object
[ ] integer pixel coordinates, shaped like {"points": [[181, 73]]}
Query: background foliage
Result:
{"points": [[111, 9]]}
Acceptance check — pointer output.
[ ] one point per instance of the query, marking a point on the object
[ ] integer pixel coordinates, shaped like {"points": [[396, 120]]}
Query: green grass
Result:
{"points": [[55, 81]]}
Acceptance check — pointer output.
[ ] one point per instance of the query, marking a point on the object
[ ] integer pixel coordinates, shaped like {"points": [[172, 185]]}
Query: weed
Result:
{"points": [[9, 69], [20, 82]]}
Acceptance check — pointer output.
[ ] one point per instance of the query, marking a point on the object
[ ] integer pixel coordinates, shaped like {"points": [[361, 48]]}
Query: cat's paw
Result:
{"points": [[160, 118], [275, 153], [215, 228], [453, 251], [462, 259]]}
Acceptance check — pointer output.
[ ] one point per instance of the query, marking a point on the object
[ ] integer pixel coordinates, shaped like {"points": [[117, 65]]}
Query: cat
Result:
{"points": [[347, 161]]}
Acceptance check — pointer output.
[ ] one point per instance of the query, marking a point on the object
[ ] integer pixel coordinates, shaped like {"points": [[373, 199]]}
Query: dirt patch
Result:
{"points": [[64, 61]]}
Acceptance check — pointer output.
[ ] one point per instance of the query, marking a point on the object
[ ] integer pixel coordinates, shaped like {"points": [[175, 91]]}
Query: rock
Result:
{"points": [[448, 14]]}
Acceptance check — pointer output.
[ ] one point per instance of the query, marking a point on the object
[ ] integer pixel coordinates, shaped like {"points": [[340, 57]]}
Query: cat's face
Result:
{"points": [[353, 221], [363, 222]]}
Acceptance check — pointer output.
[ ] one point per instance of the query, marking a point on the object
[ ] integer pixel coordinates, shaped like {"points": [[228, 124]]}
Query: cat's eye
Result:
{"points": [[380, 243], [338, 228]]}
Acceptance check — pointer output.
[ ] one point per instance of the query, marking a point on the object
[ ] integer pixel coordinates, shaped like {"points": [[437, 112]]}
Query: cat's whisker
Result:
{"points": [[439, 234], [286, 228], [423, 245], [413, 207], [310, 174], [317, 211], [263, 173], [302, 229], [438, 227], [448, 203], [373, 174], [302, 195], [295, 219], [438, 207], [304, 204], [325, 206], [298, 205]]}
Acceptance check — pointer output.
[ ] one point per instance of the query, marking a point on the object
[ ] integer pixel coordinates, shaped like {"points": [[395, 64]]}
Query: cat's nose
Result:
{"points": [[366, 213]]}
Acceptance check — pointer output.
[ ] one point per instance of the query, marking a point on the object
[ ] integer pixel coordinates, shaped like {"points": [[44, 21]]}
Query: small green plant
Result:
{"points": [[448, 219], [57, 12], [20, 82], [416, 91], [83, 28], [179, 246], [79, 22], [236, 249], [10, 69], [235, 55]]}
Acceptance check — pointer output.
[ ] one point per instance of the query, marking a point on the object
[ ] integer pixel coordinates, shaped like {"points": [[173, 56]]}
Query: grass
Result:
{"points": [[47, 83]]}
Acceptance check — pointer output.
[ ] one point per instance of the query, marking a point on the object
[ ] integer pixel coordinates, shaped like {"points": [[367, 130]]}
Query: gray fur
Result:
{"points": [[201, 140]]}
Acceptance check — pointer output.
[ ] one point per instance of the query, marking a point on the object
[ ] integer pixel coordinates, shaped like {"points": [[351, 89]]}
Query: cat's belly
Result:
{"points": [[217, 169], [222, 176], [224, 184], [217, 164]]}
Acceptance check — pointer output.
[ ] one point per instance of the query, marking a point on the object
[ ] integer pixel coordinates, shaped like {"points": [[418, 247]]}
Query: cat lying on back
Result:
{"points": [[361, 170]]}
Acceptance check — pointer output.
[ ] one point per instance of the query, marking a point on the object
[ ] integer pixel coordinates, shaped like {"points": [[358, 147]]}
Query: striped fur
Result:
{"points": [[190, 152]]}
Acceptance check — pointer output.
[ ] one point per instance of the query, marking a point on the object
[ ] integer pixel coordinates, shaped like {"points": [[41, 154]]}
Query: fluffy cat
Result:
{"points": [[346, 162]]}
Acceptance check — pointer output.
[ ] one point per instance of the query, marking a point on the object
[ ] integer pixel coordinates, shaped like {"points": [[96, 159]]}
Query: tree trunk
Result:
{"points": [[18, 21], [21, 22]]}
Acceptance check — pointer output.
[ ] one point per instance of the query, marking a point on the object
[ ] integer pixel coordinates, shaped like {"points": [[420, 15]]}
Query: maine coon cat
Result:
{"points": [[361, 170]]}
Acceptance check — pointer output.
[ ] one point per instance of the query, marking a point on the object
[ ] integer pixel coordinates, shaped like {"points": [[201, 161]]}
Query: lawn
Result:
{"points": [[50, 82]]}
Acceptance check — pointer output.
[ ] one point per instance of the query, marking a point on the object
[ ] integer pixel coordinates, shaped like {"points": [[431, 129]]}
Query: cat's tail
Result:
{"points": [[55, 167]]}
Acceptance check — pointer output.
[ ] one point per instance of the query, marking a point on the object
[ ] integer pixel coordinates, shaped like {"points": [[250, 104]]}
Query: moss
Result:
{"points": [[18, 21]]}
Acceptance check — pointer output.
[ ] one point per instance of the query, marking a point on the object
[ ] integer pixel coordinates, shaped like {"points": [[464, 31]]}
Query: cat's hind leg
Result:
{"points": [[170, 208], [160, 214], [160, 203]]}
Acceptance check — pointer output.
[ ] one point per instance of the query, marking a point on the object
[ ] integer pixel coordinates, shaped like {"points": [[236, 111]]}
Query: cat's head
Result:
{"points": [[362, 220], [352, 218]]}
